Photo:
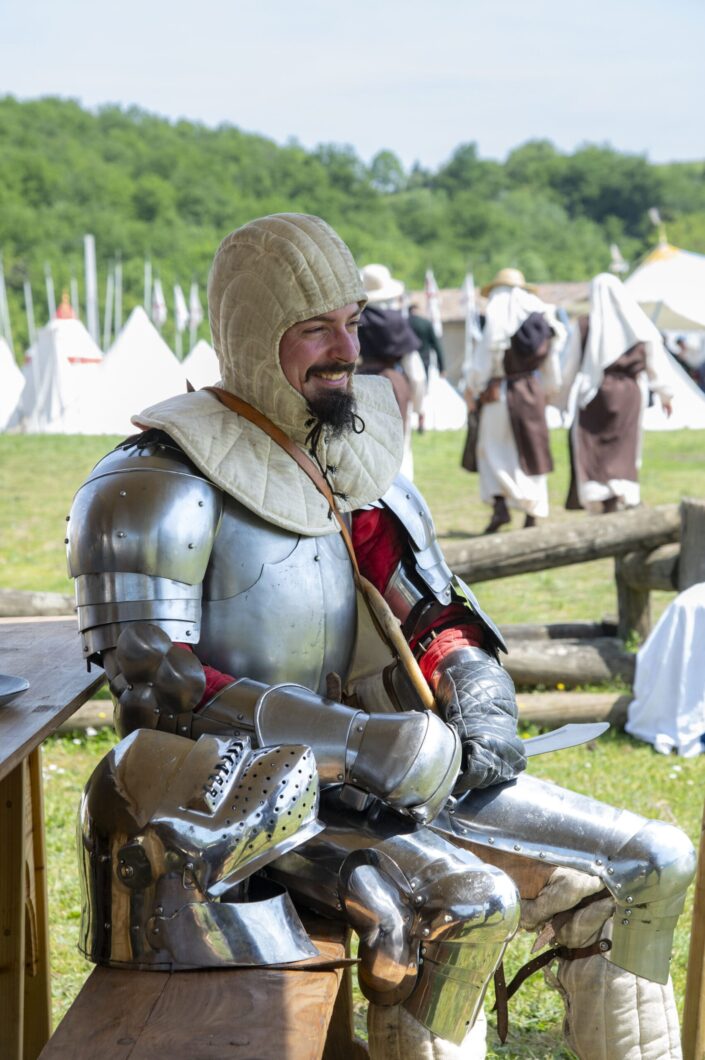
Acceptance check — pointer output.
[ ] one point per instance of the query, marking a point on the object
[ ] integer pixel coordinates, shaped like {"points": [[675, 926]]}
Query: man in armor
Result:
{"points": [[251, 570]]}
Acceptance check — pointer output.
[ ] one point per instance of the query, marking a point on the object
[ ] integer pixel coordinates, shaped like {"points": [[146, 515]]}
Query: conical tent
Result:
{"points": [[688, 399], [138, 370], [669, 285], [12, 384], [201, 366], [62, 373]]}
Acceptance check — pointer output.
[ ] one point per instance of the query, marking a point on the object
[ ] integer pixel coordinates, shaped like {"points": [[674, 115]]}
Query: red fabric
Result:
{"points": [[449, 640], [215, 680], [379, 541]]}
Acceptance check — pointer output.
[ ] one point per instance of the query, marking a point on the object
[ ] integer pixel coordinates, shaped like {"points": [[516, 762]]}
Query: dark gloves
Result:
{"points": [[476, 695]]}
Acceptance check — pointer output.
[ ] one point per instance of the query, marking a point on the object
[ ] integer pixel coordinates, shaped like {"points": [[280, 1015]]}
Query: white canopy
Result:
{"points": [[688, 399], [670, 286], [138, 370], [62, 373], [12, 384], [201, 366], [443, 407]]}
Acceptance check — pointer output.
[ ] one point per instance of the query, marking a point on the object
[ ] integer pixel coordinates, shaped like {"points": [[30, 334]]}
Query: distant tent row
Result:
{"points": [[67, 386]]}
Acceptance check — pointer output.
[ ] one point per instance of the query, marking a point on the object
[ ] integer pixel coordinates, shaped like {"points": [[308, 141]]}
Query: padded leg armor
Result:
{"points": [[610, 1014]]}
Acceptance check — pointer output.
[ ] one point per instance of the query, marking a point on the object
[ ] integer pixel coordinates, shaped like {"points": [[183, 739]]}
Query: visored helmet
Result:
{"points": [[168, 831]]}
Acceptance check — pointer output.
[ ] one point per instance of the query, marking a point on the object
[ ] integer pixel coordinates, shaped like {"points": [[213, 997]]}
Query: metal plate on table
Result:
{"points": [[11, 686]]}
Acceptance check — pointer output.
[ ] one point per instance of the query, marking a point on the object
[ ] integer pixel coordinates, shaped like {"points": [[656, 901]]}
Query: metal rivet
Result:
{"points": [[184, 728], [201, 503], [155, 930], [123, 493], [610, 872], [630, 899], [340, 776], [360, 728], [426, 932], [121, 533], [598, 861], [191, 545], [68, 518], [626, 923], [418, 900], [107, 925], [491, 842], [66, 541], [447, 918], [188, 632], [317, 558], [542, 854], [517, 847]]}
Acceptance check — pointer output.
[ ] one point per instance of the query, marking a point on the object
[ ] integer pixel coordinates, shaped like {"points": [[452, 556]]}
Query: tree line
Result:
{"points": [[170, 190]]}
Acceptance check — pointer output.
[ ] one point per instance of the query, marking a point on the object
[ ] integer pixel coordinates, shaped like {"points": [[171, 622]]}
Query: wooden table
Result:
{"points": [[48, 653]]}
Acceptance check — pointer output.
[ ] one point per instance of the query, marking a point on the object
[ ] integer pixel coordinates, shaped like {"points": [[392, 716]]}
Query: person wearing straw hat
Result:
{"points": [[250, 566], [515, 369], [389, 346]]}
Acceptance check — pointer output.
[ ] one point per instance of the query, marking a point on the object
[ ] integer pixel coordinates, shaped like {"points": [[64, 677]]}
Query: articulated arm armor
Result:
{"points": [[473, 692], [410, 760]]}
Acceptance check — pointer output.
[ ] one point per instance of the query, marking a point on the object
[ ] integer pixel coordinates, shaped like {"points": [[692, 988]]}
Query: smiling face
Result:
{"points": [[318, 359]]}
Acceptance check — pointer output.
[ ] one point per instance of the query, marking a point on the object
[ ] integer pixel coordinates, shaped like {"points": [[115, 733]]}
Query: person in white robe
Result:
{"points": [[503, 482], [611, 361]]}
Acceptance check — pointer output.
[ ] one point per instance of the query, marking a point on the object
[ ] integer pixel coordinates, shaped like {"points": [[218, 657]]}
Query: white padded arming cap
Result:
{"points": [[266, 276]]}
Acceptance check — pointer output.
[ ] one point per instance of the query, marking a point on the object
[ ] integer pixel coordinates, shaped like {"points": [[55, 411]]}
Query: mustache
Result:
{"points": [[334, 366]]}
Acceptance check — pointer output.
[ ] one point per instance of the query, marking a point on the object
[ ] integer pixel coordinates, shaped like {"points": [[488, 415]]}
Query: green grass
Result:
{"points": [[38, 476]]}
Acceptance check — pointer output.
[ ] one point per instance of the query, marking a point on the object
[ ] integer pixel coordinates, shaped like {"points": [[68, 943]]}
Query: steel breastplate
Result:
{"points": [[277, 606]]}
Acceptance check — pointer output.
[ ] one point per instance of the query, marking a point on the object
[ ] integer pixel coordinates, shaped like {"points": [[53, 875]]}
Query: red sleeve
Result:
{"points": [[215, 680], [380, 541]]}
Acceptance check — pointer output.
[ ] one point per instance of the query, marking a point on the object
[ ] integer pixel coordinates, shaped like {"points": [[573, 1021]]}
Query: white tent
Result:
{"points": [[688, 399], [62, 373], [12, 383], [443, 407], [201, 366], [670, 286], [138, 370]]}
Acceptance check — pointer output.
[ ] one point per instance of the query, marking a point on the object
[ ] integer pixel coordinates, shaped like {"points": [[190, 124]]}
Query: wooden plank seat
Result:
{"points": [[239, 1013]]}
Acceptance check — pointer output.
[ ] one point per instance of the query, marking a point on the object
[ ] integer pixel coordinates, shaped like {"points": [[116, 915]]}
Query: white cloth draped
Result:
{"points": [[668, 709]]}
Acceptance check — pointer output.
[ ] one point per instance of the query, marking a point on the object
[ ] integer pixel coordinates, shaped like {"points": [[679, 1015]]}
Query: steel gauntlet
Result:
{"points": [[476, 695]]}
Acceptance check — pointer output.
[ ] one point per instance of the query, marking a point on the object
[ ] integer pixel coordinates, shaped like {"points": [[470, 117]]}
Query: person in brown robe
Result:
{"points": [[611, 351]]}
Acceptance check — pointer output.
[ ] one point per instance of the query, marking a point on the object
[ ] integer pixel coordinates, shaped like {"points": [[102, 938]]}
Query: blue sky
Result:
{"points": [[416, 77]]}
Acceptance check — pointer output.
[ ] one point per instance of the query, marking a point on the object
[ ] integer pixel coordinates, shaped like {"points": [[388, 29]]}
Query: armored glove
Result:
{"points": [[476, 695], [410, 760]]}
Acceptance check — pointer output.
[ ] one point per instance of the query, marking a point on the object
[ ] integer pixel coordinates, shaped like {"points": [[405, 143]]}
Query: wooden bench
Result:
{"points": [[239, 1013]]}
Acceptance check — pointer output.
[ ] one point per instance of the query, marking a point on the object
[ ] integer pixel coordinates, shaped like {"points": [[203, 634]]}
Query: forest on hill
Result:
{"points": [[149, 187]]}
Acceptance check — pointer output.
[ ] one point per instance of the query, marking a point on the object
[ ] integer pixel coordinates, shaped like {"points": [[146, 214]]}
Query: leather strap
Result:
{"points": [[249, 412], [378, 608]]}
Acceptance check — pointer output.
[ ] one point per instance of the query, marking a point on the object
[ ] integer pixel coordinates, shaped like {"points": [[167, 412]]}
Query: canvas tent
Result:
{"points": [[201, 366], [138, 370], [12, 384], [669, 285], [688, 399], [62, 372]]}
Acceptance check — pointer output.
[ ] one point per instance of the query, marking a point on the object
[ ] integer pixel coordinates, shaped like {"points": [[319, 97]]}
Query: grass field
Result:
{"points": [[37, 479]]}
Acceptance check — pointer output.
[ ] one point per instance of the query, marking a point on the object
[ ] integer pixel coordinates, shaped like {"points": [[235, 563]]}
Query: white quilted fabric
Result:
{"points": [[394, 1034], [266, 276]]}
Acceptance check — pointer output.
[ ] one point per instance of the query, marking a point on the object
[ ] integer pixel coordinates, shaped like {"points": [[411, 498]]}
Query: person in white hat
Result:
{"points": [[389, 346], [514, 370]]}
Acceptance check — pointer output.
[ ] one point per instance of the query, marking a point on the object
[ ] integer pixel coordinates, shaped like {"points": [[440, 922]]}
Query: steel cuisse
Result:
{"points": [[646, 865]]}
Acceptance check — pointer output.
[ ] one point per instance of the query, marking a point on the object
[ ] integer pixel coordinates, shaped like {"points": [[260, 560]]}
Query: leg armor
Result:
{"points": [[433, 920], [609, 1013], [645, 865]]}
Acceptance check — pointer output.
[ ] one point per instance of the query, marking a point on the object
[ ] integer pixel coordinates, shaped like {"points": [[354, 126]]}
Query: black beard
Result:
{"points": [[336, 410]]}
